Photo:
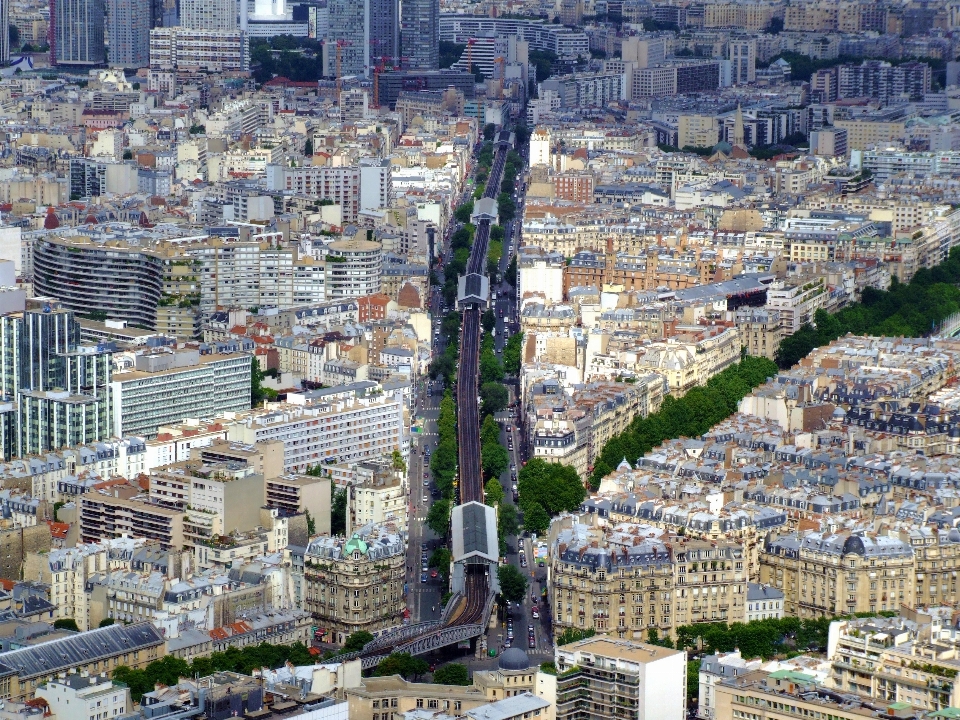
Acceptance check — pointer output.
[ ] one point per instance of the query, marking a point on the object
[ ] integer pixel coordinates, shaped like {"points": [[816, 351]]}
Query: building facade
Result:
{"points": [[356, 583]]}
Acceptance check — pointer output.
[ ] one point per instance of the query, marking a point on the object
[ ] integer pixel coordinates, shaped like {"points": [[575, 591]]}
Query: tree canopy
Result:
{"points": [[452, 674], [689, 416], [904, 310], [403, 664], [356, 641], [513, 585], [551, 486]]}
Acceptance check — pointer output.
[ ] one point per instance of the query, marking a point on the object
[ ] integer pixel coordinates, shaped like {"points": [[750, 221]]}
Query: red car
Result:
{"points": [[433, 573]]}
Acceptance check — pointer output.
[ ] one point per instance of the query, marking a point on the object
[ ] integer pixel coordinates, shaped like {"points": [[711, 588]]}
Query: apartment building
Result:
{"points": [[797, 303], [905, 659], [759, 695], [339, 183], [627, 580], [697, 131], [863, 133], [54, 395], [822, 574], [380, 496], [88, 653], [760, 331], [86, 695], [326, 431], [216, 497], [295, 494], [186, 49], [356, 583], [601, 677], [354, 268], [164, 386], [103, 517]]}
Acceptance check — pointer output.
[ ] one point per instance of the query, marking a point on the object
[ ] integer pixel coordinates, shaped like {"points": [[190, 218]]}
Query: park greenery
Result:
{"points": [[547, 489], [450, 52], [689, 416], [169, 669], [570, 635], [905, 310], [297, 59]]}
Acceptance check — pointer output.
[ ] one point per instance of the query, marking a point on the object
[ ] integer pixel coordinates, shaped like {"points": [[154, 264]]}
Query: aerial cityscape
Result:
{"points": [[479, 359]]}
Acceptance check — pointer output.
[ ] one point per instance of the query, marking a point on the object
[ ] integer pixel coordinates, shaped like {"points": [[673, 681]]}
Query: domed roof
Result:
{"points": [[514, 659], [854, 546], [954, 535], [354, 544], [839, 412]]}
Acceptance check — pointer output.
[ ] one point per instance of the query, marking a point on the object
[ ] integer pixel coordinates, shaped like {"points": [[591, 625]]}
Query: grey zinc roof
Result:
{"points": [[756, 591], [475, 532], [52, 657]]}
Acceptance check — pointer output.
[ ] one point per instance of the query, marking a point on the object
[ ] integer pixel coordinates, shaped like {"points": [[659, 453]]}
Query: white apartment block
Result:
{"points": [[797, 303], [166, 388], [376, 183], [173, 443], [81, 696], [714, 669], [325, 432], [381, 504], [178, 48], [340, 184]]}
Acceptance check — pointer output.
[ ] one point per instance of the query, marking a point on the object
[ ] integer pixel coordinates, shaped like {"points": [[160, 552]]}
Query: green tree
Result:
{"points": [[494, 397], [258, 393], [512, 353], [402, 664], [308, 147], [507, 523], [552, 486], [493, 492], [495, 459], [440, 560], [438, 518], [511, 275], [536, 519], [488, 320], [464, 212], [66, 624], [311, 523], [399, 464], [452, 674], [14, 35], [106, 622], [693, 681], [489, 131], [356, 641], [571, 635], [338, 510], [513, 585]]}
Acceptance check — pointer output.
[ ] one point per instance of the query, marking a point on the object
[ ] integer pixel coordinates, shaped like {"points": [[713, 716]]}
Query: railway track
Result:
{"points": [[467, 618]]}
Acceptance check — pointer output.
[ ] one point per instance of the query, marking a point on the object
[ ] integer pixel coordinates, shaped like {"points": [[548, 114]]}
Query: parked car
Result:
{"points": [[423, 577]]}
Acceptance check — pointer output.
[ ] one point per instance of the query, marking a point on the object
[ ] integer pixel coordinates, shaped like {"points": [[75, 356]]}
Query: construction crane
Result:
{"points": [[470, 44], [340, 45]]}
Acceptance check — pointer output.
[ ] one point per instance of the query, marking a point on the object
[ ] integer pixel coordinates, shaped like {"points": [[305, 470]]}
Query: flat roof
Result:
{"points": [[625, 649]]}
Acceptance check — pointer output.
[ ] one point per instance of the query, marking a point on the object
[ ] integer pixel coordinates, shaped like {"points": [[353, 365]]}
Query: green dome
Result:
{"points": [[355, 544]]}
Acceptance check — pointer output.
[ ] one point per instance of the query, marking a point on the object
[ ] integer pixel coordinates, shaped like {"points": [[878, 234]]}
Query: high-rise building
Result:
{"points": [[76, 32], [420, 34], [5, 37], [384, 32], [54, 395], [743, 61], [220, 15], [129, 27], [349, 38]]}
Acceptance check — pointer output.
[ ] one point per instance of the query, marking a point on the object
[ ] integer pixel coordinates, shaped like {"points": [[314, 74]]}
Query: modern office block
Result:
{"points": [[76, 32], [420, 34], [129, 26]]}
